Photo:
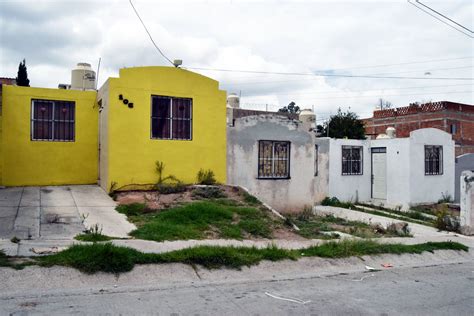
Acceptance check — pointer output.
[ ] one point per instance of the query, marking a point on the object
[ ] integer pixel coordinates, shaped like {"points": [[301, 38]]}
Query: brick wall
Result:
{"points": [[454, 118]]}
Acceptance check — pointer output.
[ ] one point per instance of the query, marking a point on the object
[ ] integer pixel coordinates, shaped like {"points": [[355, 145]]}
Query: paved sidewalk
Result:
{"points": [[58, 212]]}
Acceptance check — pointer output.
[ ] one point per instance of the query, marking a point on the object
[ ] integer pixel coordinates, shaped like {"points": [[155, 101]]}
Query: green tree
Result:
{"points": [[290, 108], [22, 77], [344, 125]]}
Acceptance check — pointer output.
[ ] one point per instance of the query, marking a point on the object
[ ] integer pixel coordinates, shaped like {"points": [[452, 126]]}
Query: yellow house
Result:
{"points": [[48, 136], [114, 136]]}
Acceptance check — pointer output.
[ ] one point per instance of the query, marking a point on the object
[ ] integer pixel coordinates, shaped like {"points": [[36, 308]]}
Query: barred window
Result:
{"points": [[351, 160], [171, 118], [273, 160], [433, 160], [52, 120]]}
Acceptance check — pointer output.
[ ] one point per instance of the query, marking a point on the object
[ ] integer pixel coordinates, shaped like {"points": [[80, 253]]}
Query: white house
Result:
{"points": [[391, 171]]}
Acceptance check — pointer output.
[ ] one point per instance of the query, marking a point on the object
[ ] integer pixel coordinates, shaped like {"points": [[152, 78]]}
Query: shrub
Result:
{"points": [[446, 221], [170, 188], [208, 193], [334, 201], [445, 198], [206, 177]]}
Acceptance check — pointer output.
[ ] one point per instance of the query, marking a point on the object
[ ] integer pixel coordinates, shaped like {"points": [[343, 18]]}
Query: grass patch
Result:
{"points": [[92, 237], [113, 259], [250, 199], [199, 220], [349, 248], [315, 226]]}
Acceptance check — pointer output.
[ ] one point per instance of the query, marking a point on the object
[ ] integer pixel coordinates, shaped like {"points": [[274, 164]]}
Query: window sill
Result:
{"points": [[287, 178], [358, 174]]}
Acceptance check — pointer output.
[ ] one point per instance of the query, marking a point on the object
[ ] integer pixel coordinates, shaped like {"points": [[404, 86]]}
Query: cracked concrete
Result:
{"points": [[58, 213]]}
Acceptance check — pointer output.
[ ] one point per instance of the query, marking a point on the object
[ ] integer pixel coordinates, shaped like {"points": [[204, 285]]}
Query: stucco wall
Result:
{"points": [[467, 200], [322, 178], [286, 195], [131, 151], [462, 163], [430, 188], [27, 162], [348, 187]]}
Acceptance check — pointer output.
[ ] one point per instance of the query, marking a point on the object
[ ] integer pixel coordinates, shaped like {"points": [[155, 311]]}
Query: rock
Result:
{"points": [[452, 223], [400, 228]]}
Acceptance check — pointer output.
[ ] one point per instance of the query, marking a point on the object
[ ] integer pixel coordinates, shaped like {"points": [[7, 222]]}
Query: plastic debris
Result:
{"points": [[369, 268], [387, 265], [289, 299]]}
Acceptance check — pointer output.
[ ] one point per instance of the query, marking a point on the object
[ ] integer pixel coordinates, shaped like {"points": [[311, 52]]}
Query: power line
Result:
{"points": [[386, 95], [444, 16], [327, 75], [405, 63], [149, 35], [444, 22], [380, 89]]}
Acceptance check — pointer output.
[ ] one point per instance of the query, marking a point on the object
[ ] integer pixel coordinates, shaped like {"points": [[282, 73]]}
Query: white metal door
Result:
{"points": [[379, 173]]}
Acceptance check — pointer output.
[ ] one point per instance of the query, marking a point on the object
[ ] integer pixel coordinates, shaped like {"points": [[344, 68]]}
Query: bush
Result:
{"points": [[206, 177], [446, 221], [208, 193], [334, 201], [170, 188]]}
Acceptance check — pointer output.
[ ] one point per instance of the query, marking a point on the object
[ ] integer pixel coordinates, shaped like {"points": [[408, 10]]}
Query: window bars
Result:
{"points": [[273, 160], [433, 160], [351, 160], [171, 118], [52, 120]]}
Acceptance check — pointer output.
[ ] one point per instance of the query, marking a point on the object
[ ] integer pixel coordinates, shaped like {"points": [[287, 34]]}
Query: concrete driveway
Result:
{"points": [[58, 212]]}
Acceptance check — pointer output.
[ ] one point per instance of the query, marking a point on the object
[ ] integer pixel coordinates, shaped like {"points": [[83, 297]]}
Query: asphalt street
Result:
{"points": [[430, 290]]}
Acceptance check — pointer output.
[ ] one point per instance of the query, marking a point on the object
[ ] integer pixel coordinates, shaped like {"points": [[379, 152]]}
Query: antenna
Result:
{"points": [[97, 76]]}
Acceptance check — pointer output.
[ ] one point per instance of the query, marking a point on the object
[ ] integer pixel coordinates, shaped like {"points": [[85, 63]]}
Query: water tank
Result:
{"points": [[233, 101], [391, 132], [83, 77], [308, 118]]}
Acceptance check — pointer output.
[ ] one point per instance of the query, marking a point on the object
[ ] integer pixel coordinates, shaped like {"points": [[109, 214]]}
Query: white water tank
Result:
{"points": [[308, 118], [391, 132], [233, 101], [83, 77]]}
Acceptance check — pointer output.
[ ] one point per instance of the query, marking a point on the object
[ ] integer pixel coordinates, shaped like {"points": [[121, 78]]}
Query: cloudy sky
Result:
{"points": [[356, 38]]}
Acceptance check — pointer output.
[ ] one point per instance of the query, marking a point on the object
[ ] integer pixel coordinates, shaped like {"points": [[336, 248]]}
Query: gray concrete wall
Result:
{"points": [[467, 202], [285, 195], [463, 163], [322, 177]]}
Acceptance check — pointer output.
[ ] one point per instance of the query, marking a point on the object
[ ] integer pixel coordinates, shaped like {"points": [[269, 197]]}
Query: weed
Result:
{"points": [[334, 201], [133, 209], [306, 214], [170, 188], [445, 198], [15, 240], [113, 259], [250, 199], [208, 193], [206, 177], [93, 234]]}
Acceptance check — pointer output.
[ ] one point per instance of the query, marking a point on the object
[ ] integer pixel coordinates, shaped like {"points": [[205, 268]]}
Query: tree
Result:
{"points": [[384, 104], [22, 77], [344, 125], [290, 108]]}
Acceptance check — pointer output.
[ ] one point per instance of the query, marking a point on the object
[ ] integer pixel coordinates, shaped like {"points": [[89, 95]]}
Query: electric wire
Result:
{"points": [[327, 75], [444, 16], [444, 22], [149, 35]]}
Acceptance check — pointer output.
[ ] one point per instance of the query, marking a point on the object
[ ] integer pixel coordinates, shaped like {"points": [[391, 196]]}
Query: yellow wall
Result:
{"points": [[132, 153], [27, 162]]}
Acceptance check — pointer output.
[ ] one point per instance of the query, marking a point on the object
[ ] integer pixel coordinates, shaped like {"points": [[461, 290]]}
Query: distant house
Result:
{"points": [[396, 172], [273, 157], [281, 161], [115, 135], [454, 118]]}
